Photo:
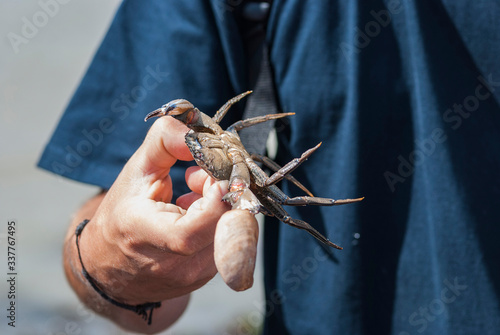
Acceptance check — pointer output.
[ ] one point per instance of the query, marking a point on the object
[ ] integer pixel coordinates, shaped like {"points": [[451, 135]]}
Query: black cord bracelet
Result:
{"points": [[141, 309]]}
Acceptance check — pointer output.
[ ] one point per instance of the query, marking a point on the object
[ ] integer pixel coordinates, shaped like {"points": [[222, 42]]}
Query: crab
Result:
{"points": [[222, 155]]}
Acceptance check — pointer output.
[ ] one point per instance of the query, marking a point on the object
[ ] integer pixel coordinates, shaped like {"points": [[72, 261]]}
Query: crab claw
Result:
{"points": [[158, 112], [175, 108], [243, 199]]}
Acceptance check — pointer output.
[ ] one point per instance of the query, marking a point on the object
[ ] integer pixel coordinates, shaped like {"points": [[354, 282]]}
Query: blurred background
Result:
{"points": [[39, 71]]}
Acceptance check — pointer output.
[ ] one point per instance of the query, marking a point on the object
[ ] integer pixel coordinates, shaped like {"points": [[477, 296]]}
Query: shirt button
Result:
{"points": [[255, 11]]}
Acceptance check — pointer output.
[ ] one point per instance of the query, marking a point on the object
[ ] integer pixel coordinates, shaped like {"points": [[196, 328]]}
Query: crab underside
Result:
{"points": [[222, 155]]}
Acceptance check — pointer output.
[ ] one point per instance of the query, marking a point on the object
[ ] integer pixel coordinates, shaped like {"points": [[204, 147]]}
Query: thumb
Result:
{"points": [[147, 171], [163, 146]]}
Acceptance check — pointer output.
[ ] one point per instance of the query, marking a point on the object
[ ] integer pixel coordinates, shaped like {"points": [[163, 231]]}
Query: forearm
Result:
{"points": [[163, 317]]}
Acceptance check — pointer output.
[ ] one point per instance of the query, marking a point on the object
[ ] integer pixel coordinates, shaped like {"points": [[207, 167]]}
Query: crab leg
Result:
{"points": [[239, 195], [290, 166], [303, 201], [237, 126], [277, 211], [276, 167], [225, 108], [307, 227], [274, 194]]}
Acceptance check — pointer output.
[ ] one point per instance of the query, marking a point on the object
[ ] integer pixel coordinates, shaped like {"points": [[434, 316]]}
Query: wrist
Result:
{"points": [[144, 310], [95, 250], [73, 272]]}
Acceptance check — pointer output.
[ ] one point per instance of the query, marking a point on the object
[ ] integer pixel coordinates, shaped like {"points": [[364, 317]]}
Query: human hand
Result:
{"points": [[138, 246]]}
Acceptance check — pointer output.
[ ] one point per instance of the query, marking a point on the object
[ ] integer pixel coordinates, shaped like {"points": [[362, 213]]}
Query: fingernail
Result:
{"points": [[214, 193], [224, 186], [218, 189]]}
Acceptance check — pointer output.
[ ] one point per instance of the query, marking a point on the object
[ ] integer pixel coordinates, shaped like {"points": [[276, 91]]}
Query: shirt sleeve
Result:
{"points": [[154, 52]]}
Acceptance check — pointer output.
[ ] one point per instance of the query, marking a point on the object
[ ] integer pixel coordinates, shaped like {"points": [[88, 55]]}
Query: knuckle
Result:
{"points": [[184, 247], [129, 243]]}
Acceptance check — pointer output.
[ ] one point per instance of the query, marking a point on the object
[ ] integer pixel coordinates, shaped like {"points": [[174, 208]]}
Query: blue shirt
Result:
{"points": [[404, 96]]}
